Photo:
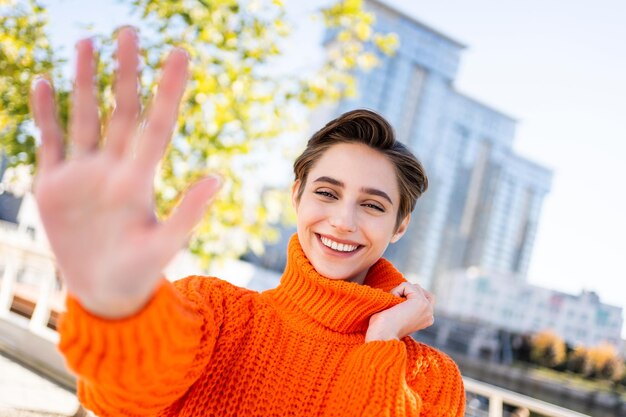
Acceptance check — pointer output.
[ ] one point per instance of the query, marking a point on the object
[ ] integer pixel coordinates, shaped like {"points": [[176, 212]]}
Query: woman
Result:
{"points": [[331, 340]]}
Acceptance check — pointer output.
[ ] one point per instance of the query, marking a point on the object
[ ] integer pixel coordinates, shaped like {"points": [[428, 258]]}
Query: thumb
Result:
{"points": [[174, 232]]}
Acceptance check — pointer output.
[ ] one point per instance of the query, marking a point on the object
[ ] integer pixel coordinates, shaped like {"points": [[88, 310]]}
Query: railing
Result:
{"points": [[27, 319], [30, 303], [498, 397], [34, 262]]}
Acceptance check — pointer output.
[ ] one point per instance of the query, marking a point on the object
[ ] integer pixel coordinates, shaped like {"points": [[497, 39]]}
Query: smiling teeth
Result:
{"points": [[341, 247]]}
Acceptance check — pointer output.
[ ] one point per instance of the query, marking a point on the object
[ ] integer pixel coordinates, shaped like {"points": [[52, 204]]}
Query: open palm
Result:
{"points": [[96, 200]]}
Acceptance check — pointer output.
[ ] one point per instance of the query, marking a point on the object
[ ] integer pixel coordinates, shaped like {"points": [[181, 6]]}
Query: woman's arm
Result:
{"points": [[381, 378], [372, 383], [135, 341], [144, 363], [140, 364], [435, 377]]}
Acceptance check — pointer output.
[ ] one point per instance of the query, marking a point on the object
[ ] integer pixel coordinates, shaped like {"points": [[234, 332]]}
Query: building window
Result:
{"points": [[30, 230], [602, 317]]}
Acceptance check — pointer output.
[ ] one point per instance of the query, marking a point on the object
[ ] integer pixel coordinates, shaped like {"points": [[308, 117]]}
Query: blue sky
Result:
{"points": [[559, 67]]}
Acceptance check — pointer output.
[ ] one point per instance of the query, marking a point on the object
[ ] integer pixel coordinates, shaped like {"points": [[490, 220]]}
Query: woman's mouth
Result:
{"points": [[346, 248]]}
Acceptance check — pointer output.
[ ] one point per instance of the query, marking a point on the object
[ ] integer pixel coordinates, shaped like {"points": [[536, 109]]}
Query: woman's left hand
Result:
{"points": [[416, 313]]}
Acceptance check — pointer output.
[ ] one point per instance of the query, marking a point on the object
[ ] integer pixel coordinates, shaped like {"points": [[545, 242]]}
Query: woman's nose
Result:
{"points": [[343, 219]]}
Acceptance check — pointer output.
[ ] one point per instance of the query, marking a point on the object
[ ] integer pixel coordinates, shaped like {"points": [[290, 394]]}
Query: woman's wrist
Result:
{"points": [[374, 333], [114, 310]]}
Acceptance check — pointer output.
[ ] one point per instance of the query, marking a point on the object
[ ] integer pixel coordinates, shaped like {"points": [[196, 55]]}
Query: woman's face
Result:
{"points": [[347, 212]]}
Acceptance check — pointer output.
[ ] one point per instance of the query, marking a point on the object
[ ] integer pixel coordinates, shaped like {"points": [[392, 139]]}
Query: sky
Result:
{"points": [[557, 66]]}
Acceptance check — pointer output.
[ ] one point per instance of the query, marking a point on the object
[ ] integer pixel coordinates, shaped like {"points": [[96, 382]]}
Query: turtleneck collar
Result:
{"points": [[338, 305]]}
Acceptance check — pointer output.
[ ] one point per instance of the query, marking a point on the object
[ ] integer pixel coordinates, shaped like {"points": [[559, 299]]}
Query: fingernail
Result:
{"points": [[37, 80], [217, 178], [181, 50], [133, 29], [84, 42]]}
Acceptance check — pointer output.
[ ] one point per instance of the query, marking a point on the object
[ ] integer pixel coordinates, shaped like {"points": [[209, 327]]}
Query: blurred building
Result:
{"points": [[484, 201], [24, 252], [29, 284], [509, 303]]}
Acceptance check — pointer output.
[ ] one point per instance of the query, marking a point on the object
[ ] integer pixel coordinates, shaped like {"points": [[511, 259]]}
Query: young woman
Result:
{"points": [[331, 340]]}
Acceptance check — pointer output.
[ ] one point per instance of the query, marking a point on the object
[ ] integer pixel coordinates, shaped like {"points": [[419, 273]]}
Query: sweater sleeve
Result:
{"points": [[374, 382], [139, 365], [434, 376]]}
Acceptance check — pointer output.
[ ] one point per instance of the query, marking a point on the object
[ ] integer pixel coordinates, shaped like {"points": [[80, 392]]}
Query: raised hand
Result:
{"points": [[96, 199], [415, 313]]}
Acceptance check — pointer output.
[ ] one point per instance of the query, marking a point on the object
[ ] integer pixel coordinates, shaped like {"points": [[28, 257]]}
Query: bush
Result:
{"points": [[548, 349], [579, 361], [606, 363]]}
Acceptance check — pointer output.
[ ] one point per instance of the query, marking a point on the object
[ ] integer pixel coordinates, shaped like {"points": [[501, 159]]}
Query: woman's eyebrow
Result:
{"points": [[367, 190], [330, 181], [377, 192]]}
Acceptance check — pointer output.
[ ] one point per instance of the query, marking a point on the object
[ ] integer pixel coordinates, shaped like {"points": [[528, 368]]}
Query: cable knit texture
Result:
{"points": [[204, 347]]}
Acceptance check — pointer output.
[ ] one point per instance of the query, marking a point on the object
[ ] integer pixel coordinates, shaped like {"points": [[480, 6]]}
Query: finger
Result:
{"points": [[127, 105], [45, 114], [84, 121], [174, 232], [399, 290], [407, 289], [163, 114], [429, 296]]}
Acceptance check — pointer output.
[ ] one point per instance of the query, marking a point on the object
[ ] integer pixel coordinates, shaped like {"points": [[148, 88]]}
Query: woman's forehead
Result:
{"points": [[356, 165]]}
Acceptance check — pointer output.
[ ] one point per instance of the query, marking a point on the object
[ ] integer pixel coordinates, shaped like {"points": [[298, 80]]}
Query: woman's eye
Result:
{"points": [[375, 207], [325, 194]]}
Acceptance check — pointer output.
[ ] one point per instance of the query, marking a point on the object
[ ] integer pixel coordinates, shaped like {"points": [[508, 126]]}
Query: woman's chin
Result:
{"points": [[338, 276]]}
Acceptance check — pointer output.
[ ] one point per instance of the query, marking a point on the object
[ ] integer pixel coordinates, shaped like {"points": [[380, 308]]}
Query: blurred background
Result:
{"points": [[516, 109]]}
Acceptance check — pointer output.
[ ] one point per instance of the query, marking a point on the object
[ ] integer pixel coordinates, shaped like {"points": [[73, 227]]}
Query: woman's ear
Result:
{"points": [[401, 229], [295, 188]]}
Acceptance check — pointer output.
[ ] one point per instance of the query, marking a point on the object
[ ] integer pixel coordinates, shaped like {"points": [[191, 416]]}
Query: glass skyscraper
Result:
{"points": [[484, 201]]}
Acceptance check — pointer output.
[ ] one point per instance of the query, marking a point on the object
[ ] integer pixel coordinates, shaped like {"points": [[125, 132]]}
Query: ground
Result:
{"points": [[24, 393]]}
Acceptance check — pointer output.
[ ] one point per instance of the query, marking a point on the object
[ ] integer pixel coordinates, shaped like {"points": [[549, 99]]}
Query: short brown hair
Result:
{"points": [[371, 129]]}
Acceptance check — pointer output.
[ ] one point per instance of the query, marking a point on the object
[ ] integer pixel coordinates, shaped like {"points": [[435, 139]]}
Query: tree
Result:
{"points": [[579, 361], [606, 362], [236, 102], [24, 53], [548, 349]]}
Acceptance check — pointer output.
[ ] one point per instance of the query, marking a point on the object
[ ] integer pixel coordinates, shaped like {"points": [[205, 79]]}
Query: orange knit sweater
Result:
{"points": [[204, 347]]}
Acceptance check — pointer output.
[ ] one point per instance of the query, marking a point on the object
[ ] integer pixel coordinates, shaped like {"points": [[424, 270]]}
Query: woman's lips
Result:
{"points": [[335, 252]]}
